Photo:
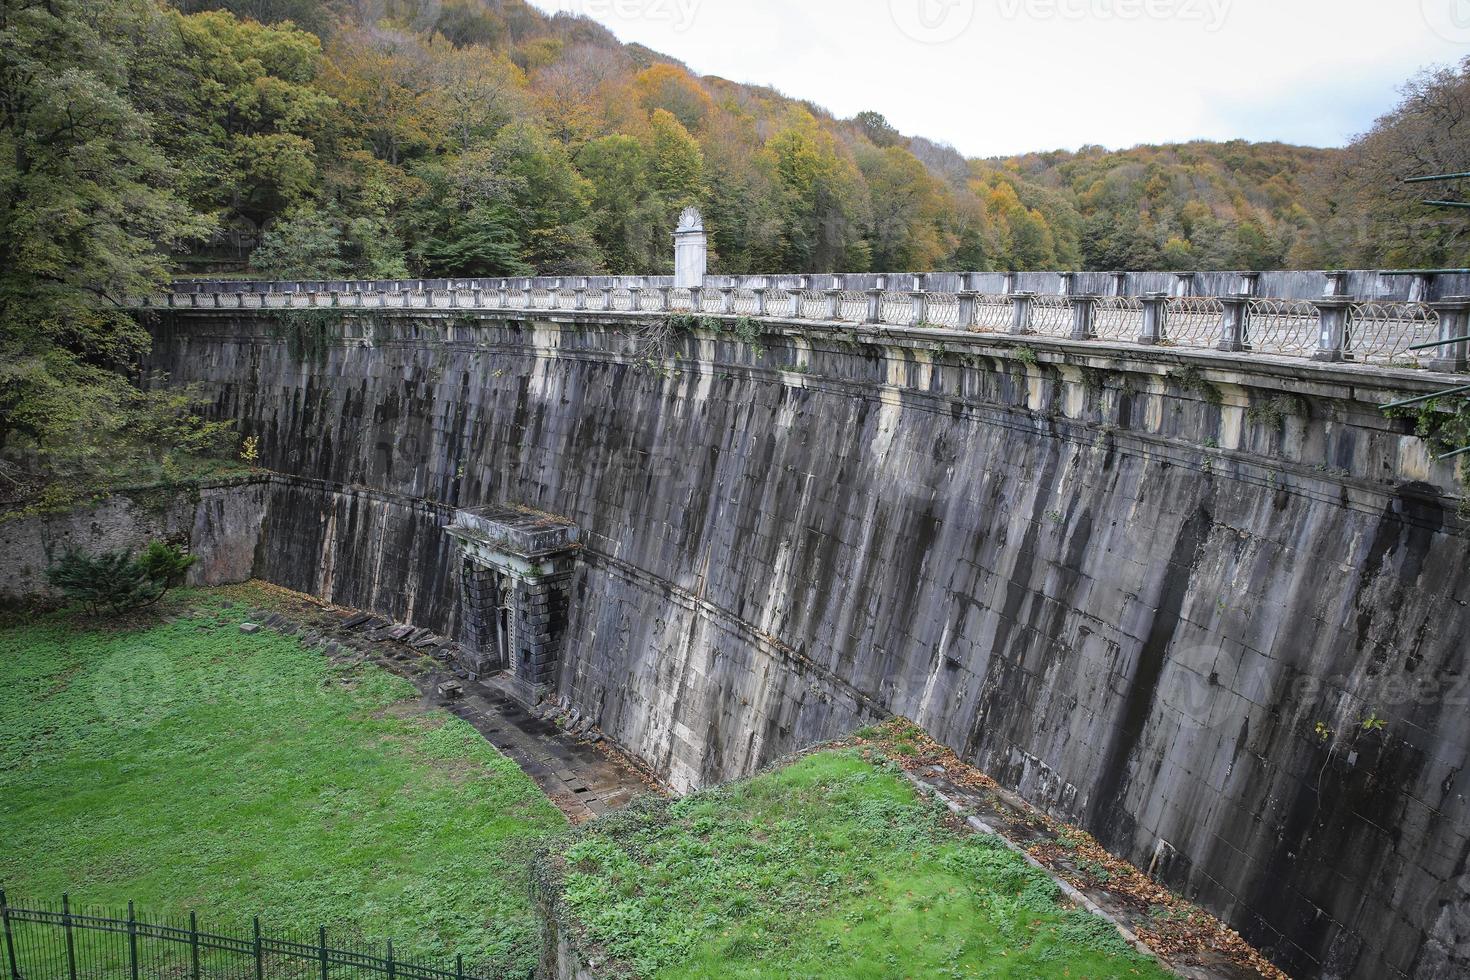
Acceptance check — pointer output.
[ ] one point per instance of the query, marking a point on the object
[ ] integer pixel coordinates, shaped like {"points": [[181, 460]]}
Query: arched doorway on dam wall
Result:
{"points": [[1128, 584]]}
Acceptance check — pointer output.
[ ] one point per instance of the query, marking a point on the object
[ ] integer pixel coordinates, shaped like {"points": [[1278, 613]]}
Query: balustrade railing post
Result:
{"points": [[875, 304], [1023, 306], [132, 943], [696, 300], [503, 296], [1084, 310], [321, 946], [636, 292], [1454, 326], [71, 945], [966, 300], [453, 296], [727, 299], [760, 300], [553, 295], [664, 297], [193, 946], [240, 299], [407, 295], [336, 298], [477, 298], [1155, 308], [607, 297], [9, 939], [794, 298], [580, 300], [1234, 312], [1332, 338], [918, 308], [834, 303]]}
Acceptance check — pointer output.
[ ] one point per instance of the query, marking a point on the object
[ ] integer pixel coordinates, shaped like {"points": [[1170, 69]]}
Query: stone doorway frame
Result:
{"points": [[516, 567]]}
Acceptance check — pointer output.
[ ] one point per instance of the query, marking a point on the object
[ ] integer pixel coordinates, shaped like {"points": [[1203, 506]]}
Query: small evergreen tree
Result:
{"points": [[115, 582]]}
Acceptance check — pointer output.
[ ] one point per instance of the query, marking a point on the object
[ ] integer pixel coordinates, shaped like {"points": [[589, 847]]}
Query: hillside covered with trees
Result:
{"points": [[388, 138]]}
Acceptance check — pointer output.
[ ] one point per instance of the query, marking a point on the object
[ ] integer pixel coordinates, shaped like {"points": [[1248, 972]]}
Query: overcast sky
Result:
{"points": [[1005, 76]]}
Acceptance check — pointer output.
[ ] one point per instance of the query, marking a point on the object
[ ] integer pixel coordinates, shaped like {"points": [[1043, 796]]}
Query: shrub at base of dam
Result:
{"points": [[832, 866], [186, 765]]}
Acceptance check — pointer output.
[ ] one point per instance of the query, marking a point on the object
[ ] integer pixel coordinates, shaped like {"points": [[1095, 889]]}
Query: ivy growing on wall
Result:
{"points": [[1444, 427], [307, 332]]}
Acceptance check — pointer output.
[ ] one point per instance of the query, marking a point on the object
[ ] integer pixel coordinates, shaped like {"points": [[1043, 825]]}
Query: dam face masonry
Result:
{"points": [[1211, 606]]}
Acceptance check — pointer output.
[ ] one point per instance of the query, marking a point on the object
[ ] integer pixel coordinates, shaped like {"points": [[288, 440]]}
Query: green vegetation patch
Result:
{"points": [[832, 866], [186, 765]]}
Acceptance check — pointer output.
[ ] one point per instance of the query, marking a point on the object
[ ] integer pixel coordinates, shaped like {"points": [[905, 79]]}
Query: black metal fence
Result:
{"points": [[66, 943]]}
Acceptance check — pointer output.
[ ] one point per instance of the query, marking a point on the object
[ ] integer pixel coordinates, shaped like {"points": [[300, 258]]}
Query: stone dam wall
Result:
{"points": [[1166, 595], [218, 523]]}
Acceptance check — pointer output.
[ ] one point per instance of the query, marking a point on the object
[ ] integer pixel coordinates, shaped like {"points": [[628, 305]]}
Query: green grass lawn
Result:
{"points": [[190, 766], [831, 867]]}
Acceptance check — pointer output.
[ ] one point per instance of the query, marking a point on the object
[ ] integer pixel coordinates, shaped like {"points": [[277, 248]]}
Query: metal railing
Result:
{"points": [[88, 944], [1332, 328]]}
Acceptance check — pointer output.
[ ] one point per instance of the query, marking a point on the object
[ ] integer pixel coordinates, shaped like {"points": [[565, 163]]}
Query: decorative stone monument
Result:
{"points": [[516, 580], [691, 250]]}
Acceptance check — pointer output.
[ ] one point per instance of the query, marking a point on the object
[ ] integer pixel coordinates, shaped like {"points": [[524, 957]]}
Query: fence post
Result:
{"points": [[193, 946], [1084, 306], [727, 299], [132, 942], [322, 949], [1024, 303], [1155, 306], [9, 939], [795, 297], [1233, 322], [760, 300], [392, 967], [1333, 338], [1454, 324], [966, 300], [919, 310], [696, 300], [71, 946], [459, 966], [875, 303], [834, 303], [259, 953]]}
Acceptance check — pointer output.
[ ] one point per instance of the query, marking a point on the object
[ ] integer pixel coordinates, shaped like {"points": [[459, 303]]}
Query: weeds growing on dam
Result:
{"points": [[832, 865]]}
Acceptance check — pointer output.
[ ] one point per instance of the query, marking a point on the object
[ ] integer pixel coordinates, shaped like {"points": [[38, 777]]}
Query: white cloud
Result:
{"points": [[1005, 76]]}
